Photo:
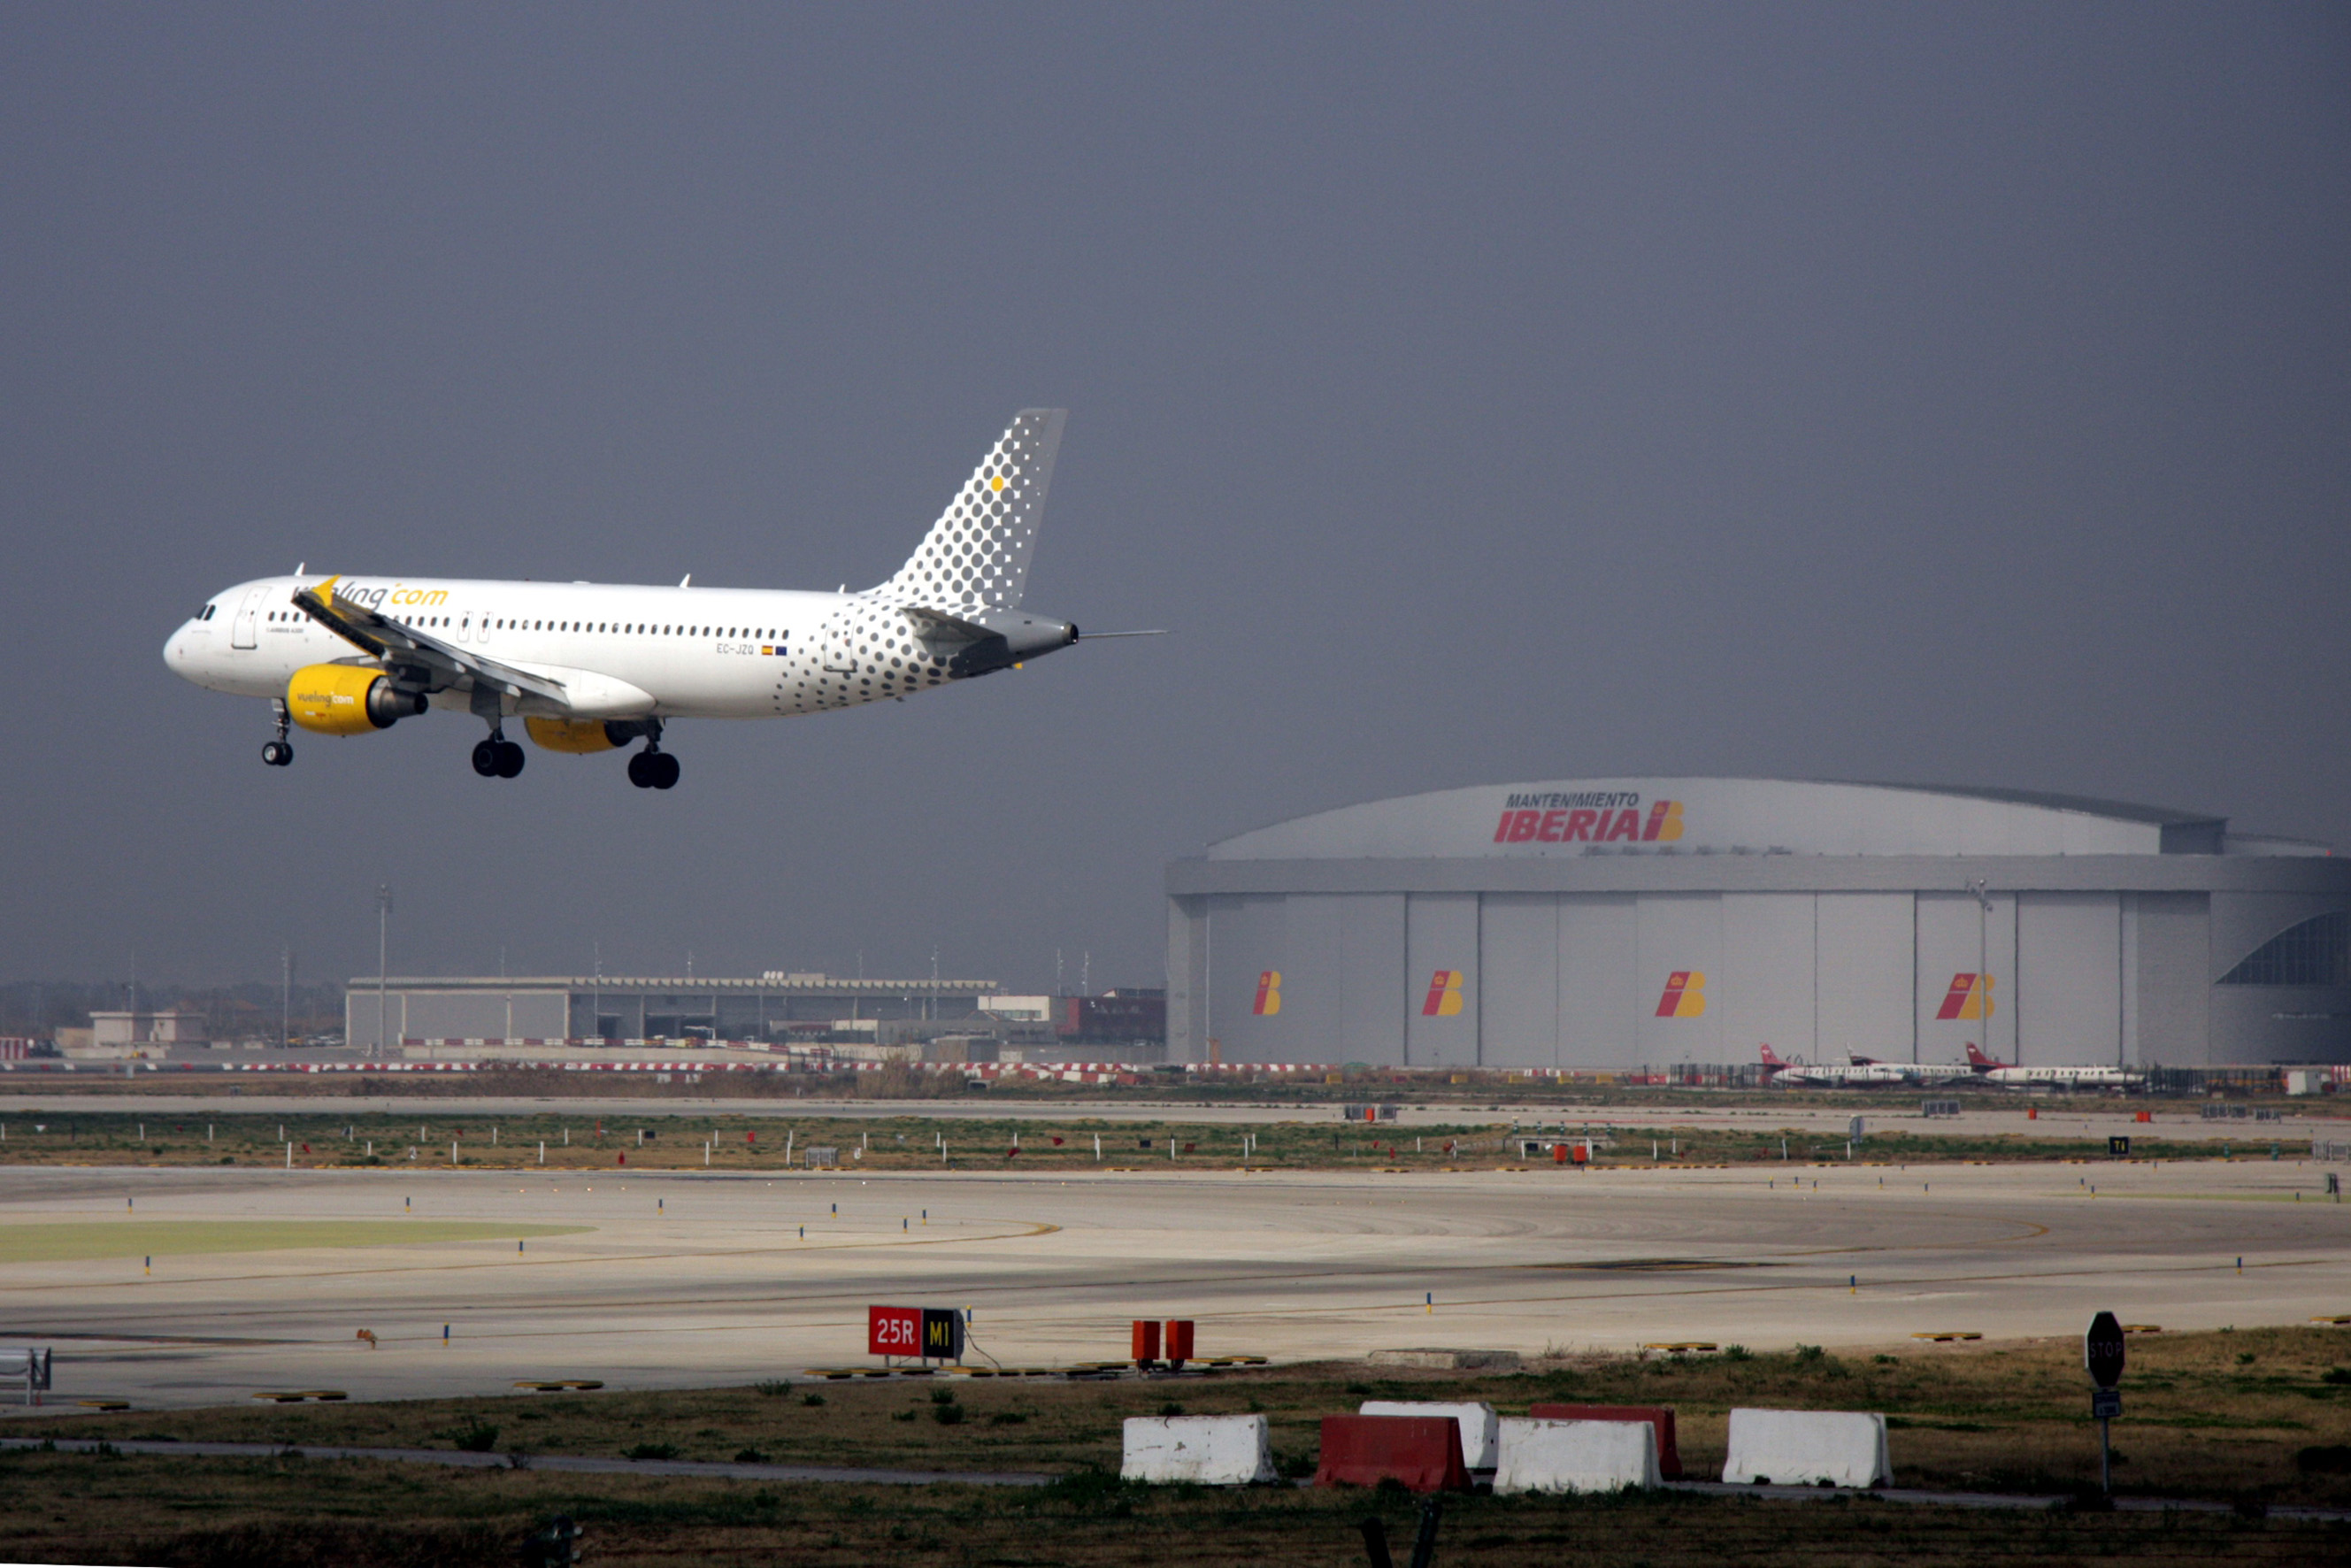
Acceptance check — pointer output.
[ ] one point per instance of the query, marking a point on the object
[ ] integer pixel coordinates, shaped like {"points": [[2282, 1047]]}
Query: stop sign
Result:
{"points": [[2101, 1350]]}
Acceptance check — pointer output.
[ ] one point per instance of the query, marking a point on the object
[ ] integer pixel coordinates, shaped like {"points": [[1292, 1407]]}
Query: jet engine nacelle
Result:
{"points": [[578, 736], [348, 699]]}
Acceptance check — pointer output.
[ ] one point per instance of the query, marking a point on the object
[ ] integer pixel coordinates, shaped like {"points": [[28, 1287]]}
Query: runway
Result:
{"points": [[1983, 1113], [688, 1280]]}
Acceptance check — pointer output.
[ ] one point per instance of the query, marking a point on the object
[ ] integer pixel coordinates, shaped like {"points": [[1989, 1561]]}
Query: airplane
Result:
{"points": [[1858, 1072], [2007, 1075], [591, 667]]}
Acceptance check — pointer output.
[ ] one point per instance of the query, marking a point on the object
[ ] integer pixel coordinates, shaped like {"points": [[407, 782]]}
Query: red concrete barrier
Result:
{"points": [[1669, 1462], [1422, 1452]]}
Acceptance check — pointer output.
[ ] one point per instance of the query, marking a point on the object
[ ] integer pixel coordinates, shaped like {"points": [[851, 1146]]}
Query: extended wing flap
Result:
{"points": [[380, 637]]}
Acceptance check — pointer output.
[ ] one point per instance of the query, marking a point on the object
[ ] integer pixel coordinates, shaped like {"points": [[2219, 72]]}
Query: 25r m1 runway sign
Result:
{"points": [[934, 1333]]}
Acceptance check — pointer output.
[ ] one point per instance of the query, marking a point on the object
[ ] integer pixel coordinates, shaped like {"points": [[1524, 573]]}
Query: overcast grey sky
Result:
{"points": [[1912, 392]]}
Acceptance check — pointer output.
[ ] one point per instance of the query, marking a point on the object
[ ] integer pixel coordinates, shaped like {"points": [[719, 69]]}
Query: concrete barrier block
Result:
{"points": [[1421, 1453], [1211, 1450], [1576, 1456], [1478, 1424], [1808, 1448], [1670, 1457]]}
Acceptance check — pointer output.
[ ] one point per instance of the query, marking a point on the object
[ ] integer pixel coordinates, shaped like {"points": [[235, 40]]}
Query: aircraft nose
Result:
{"points": [[175, 647]]}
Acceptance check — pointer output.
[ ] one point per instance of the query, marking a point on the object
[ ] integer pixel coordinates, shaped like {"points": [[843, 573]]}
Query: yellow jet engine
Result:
{"points": [[348, 699], [578, 736]]}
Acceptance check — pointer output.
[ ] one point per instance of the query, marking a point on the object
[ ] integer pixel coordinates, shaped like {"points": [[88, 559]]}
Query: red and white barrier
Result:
{"points": [[1575, 1456], [1421, 1453], [1207, 1450], [1808, 1448], [1669, 1459], [1479, 1431]]}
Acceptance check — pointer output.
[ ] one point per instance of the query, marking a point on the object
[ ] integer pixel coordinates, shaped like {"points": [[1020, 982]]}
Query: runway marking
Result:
{"points": [[1298, 1282], [81, 1238], [495, 1232]]}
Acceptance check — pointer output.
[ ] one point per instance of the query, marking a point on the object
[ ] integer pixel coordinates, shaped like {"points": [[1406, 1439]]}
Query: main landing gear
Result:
{"points": [[277, 753], [498, 758], [653, 768]]}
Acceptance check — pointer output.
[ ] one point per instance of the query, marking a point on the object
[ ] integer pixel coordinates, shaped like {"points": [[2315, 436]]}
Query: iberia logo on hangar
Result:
{"points": [[1590, 817]]}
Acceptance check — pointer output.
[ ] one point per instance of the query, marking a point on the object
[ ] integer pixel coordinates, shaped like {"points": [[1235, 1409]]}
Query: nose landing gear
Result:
{"points": [[498, 758], [653, 768], [277, 753]]}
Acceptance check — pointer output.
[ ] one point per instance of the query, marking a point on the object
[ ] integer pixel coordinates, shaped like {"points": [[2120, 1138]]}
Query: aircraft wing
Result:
{"points": [[380, 637]]}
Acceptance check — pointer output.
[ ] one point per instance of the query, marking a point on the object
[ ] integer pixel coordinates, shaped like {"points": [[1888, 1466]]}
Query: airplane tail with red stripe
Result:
{"points": [[1979, 1063]]}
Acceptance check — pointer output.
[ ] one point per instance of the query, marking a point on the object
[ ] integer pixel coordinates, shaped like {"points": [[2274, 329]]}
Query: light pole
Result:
{"points": [[286, 999], [382, 948]]}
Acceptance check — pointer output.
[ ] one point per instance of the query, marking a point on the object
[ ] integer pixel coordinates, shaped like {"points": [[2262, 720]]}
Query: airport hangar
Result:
{"points": [[1618, 922], [615, 1008]]}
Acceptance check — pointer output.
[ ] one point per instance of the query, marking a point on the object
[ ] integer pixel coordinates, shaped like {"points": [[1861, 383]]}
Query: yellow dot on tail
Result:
{"points": [[997, 483]]}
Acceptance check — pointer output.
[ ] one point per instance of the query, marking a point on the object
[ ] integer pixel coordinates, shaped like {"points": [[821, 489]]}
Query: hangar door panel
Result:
{"points": [[1186, 1039], [2069, 960], [1598, 1006], [1518, 975], [1956, 938], [473, 1015], [1766, 989], [1441, 976], [1868, 975], [1678, 965], [1344, 990], [1245, 952], [2174, 957]]}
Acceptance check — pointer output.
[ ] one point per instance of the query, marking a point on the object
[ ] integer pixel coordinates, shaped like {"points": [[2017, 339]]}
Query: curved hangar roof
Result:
{"points": [[1573, 817]]}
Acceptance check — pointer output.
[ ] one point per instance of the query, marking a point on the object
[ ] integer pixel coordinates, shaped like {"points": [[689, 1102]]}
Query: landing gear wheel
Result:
{"points": [[486, 757], [651, 769], [510, 758], [277, 754]]}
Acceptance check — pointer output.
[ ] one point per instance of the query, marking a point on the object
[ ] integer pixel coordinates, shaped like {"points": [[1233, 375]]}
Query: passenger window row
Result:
{"points": [[637, 629]]}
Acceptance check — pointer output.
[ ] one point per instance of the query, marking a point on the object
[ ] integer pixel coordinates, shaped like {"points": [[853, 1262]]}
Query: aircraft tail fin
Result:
{"points": [[976, 556], [1978, 1060], [1772, 1058]]}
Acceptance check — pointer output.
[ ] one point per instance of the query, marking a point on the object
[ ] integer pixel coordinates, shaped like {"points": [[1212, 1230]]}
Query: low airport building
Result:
{"points": [[1623, 922], [590, 1008]]}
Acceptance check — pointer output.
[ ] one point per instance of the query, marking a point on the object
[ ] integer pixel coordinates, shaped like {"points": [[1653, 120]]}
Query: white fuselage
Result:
{"points": [[593, 666], [1866, 1075], [1872, 1075], [666, 653], [2064, 1077]]}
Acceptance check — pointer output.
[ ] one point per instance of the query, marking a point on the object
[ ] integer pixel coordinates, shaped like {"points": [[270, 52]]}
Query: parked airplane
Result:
{"points": [[2009, 1076], [1857, 1072], [592, 667]]}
